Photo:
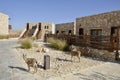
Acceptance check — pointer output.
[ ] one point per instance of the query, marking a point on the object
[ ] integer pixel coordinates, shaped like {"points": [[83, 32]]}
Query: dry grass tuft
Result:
{"points": [[26, 43], [58, 44]]}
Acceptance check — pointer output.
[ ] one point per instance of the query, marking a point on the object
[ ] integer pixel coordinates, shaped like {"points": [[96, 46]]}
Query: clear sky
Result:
{"points": [[56, 11]]}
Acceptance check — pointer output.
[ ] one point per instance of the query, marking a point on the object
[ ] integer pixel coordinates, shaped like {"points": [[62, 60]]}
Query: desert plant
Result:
{"points": [[33, 38], [26, 43], [58, 44], [4, 36]]}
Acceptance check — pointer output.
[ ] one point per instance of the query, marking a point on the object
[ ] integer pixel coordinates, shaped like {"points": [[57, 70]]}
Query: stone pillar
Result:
{"points": [[46, 62]]}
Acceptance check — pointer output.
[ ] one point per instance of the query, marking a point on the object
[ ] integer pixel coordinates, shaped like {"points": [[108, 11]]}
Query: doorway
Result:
{"points": [[81, 31]]}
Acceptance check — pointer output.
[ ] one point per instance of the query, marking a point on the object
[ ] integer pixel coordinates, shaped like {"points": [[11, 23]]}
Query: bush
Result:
{"points": [[4, 36], [33, 38], [26, 43], [58, 44]]}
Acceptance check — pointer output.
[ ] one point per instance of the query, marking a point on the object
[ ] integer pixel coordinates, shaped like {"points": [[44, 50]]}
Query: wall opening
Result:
{"points": [[81, 31], [114, 31]]}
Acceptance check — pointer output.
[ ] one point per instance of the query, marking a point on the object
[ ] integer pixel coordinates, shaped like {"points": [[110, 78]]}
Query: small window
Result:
{"points": [[45, 27], [96, 32], [70, 31], [114, 31], [57, 31]]}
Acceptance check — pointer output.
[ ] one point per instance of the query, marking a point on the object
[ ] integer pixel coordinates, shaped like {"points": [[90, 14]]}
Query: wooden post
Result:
{"points": [[46, 62], [117, 44], [112, 41]]}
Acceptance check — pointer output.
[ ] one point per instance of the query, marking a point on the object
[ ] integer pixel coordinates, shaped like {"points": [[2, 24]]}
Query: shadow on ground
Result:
{"points": [[40, 66], [20, 68], [23, 69], [65, 60]]}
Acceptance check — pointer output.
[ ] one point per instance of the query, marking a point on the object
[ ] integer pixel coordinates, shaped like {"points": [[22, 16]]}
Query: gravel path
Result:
{"points": [[13, 67], [107, 71], [60, 62]]}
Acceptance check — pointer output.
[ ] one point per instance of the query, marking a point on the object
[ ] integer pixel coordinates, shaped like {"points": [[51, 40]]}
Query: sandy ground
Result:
{"points": [[13, 66], [60, 62]]}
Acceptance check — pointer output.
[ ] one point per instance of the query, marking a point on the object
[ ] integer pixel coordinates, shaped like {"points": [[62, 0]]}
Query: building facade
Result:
{"points": [[4, 24], [38, 30], [101, 24], [65, 28]]}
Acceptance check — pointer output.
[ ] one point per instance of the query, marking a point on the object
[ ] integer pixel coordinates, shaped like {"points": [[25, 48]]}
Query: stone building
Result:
{"points": [[38, 30], [4, 24], [65, 28], [101, 24]]}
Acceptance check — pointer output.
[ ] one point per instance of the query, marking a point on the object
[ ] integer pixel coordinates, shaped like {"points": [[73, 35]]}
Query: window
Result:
{"points": [[70, 31], [96, 35], [96, 32], [45, 27], [57, 31], [114, 31]]}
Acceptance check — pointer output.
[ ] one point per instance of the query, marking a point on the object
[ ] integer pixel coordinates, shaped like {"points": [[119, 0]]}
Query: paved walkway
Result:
{"points": [[12, 66]]}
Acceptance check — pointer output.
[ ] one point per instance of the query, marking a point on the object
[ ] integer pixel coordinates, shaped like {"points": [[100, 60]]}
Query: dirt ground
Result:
{"points": [[60, 62]]}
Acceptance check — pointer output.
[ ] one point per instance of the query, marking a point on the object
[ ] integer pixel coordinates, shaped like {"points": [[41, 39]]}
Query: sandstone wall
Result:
{"points": [[102, 21], [14, 33], [47, 28], [65, 27], [4, 28]]}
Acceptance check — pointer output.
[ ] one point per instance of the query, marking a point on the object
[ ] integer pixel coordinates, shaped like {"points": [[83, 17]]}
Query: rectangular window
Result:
{"points": [[96, 35], [96, 32], [45, 27]]}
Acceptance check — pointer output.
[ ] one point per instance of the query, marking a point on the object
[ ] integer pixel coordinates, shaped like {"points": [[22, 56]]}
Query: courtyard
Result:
{"points": [[13, 67]]}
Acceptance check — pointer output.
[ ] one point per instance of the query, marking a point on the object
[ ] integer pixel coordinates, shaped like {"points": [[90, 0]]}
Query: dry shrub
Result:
{"points": [[58, 44], [26, 43], [4, 36]]}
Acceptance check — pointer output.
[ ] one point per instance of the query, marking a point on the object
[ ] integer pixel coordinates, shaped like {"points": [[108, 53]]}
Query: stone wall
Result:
{"points": [[14, 33], [102, 21], [65, 28], [4, 28], [45, 28]]}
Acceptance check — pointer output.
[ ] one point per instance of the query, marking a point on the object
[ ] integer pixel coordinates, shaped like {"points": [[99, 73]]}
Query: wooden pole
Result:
{"points": [[112, 43], [117, 44]]}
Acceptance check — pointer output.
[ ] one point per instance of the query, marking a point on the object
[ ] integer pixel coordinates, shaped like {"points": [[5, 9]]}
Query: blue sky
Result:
{"points": [[56, 11]]}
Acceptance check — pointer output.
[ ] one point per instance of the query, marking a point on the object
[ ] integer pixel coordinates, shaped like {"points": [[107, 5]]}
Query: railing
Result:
{"points": [[98, 42]]}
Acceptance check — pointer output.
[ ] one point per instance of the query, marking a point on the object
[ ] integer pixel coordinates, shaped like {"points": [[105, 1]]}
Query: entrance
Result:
{"points": [[81, 32]]}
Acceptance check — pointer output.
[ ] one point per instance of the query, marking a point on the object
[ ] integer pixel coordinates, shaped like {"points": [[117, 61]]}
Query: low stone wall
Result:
{"points": [[14, 33]]}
